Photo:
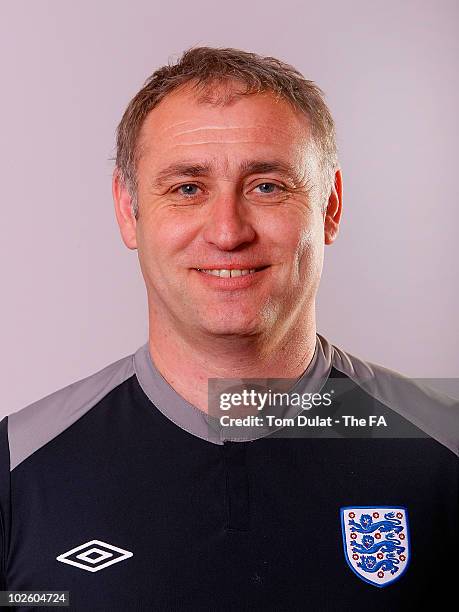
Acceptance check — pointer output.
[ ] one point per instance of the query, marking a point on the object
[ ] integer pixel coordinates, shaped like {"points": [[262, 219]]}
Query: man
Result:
{"points": [[129, 489]]}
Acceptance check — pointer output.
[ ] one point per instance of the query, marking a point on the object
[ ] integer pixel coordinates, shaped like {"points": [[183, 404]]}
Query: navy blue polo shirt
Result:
{"points": [[119, 491]]}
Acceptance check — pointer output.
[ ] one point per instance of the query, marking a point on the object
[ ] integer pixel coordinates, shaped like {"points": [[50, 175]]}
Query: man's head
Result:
{"points": [[227, 161]]}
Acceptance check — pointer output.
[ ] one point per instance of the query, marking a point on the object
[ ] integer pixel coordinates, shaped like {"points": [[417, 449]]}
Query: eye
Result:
{"points": [[268, 187], [187, 189]]}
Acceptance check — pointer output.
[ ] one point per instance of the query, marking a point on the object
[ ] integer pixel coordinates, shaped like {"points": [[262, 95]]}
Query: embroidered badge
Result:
{"points": [[376, 542]]}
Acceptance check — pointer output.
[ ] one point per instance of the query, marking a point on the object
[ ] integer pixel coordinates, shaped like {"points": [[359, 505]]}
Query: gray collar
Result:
{"points": [[198, 423]]}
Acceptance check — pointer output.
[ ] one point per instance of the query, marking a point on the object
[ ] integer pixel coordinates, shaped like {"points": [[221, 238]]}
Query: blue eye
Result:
{"points": [[267, 187], [189, 189]]}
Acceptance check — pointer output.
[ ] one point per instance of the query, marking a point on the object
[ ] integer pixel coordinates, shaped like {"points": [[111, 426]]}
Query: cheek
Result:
{"points": [[296, 228], [309, 253], [310, 241], [161, 237]]}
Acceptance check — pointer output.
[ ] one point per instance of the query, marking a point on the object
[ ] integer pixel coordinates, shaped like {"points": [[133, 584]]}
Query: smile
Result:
{"points": [[226, 273]]}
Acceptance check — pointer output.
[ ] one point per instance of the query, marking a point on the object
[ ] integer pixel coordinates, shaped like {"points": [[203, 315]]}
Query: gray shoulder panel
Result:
{"points": [[35, 425], [435, 413]]}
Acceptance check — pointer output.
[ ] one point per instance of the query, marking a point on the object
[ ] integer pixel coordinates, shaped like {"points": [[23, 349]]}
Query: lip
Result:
{"points": [[231, 267], [231, 283]]}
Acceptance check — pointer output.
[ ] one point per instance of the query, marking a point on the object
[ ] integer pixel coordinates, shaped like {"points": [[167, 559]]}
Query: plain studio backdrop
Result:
{"points": [[73, 298]]}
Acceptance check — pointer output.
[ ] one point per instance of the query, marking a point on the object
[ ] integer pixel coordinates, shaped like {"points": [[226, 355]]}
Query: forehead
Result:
{"points": [[185, 123]]}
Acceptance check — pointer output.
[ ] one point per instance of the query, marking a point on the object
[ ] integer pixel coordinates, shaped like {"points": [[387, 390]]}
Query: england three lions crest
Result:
{"points": [[376, 542]]}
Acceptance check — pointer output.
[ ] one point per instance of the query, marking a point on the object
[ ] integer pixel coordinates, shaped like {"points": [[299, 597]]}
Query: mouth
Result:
{"points": [[230, 272]]}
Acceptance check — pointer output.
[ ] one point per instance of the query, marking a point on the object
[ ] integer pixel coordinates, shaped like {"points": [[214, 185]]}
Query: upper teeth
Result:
{"points": [[229, 273]]}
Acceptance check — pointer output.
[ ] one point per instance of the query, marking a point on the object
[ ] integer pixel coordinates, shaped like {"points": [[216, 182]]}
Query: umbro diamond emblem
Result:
{"points": [[94, 555]]}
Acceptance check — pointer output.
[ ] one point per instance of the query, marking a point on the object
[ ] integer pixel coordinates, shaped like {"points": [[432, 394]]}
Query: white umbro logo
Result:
{"points": [[94, 555]]}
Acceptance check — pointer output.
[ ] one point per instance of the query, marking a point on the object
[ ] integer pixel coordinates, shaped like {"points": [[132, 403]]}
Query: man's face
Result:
{"points": [[230, 241]]}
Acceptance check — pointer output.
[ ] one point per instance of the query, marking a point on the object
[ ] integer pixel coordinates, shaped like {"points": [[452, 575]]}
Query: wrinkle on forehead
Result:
{"points": [[220, 141], [212, 127], [221, 135], [182, 114]]}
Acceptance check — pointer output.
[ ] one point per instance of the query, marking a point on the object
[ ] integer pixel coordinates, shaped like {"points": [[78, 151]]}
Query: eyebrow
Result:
{"points": [[246, 167]]}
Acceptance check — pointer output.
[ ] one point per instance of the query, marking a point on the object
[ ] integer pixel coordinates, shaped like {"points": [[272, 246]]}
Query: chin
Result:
{"points": [[233, 327]]}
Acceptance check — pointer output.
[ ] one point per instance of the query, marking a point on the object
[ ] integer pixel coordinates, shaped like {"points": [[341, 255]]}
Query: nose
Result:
{"points": [[228, 225]]}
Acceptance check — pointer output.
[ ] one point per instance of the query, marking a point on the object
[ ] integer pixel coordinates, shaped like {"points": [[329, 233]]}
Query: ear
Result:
{"points": [[123, 210], [332, 215]]}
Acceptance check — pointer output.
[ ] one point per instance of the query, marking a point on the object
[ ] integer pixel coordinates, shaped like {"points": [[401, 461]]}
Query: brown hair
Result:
{"points": [[204, 66]]}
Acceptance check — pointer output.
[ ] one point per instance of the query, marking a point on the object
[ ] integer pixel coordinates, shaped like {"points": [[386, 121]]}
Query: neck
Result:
{"points": [[188, 359]]}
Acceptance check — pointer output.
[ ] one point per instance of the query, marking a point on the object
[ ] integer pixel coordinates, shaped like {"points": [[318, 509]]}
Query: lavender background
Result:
{"points": [[72, 294]]}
